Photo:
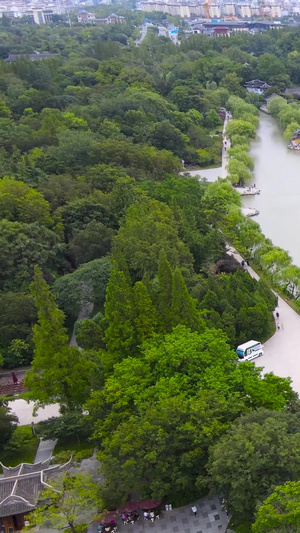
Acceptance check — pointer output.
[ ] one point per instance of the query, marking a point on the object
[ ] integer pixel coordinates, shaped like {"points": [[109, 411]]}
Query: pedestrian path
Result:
{"points": [[213, 174], [210, 519], [282, 350], [44, 450]]}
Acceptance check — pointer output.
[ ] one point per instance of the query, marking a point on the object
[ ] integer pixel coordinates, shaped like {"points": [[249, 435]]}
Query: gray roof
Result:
{"points": [[12, 58], [21, 485], [257, 84], [292, 90]]}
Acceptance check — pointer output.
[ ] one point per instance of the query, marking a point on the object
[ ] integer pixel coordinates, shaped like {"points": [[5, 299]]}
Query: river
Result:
{"points": [[277, 175]]}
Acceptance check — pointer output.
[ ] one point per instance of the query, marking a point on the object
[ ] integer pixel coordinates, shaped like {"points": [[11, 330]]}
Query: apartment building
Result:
{"points": [[214, 11], [229, 10], [276, 12], [244, 11]]}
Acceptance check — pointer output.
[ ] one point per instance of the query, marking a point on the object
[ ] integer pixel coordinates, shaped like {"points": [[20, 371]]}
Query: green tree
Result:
{"points": [[68, 501], [183, 308], [150, 226], [239, 127], [146, 320], [212, 119], [184, 384], [84, 286], [280, 512], [22, 246], [18, 202], [59, 373], [8, 423], [259, 451], [165, 289], [93, 242], [90, 334], [119, 314]]}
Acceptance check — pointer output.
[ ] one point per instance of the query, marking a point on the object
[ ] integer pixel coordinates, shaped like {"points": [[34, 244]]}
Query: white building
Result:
{"points": [[256, 86], [276, 12], [229, 10], [244, 11], [255, 11], [214, 11]]}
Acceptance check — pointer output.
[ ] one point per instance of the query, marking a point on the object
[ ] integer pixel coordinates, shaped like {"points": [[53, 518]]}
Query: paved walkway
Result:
{"points": [[213, 174], [210, 519], [44, 450], [282, 351]]}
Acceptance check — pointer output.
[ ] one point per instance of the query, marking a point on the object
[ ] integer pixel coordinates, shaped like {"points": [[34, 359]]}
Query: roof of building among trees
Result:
{"points": [[21, 485]]}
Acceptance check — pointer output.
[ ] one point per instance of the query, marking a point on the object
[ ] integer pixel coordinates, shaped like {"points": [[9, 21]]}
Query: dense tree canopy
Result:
{"points": [[98, 222]]}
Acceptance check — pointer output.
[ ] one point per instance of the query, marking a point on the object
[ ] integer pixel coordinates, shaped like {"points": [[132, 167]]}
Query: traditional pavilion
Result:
{"points": [[20, 488]]}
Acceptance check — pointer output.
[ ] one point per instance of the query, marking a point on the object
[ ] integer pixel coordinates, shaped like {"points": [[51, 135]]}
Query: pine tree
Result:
{"points": [[183, 305], [146, 321], [119, 314], [165, 282], [59, 373], [120, 264]]}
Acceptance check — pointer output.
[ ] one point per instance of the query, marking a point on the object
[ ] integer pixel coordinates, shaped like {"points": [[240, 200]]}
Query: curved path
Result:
{"points": [[282, 351]]}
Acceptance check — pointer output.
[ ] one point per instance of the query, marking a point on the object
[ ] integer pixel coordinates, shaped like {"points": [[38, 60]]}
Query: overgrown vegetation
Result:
{"points": [[94, 213]]}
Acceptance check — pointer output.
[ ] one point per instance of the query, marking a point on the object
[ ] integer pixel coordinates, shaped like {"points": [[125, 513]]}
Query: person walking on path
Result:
{"points": [[194, 510], [278, 326], [282, 326]]}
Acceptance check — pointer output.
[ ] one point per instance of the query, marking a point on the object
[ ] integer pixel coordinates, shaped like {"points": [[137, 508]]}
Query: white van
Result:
{"points": [[249, 350]]}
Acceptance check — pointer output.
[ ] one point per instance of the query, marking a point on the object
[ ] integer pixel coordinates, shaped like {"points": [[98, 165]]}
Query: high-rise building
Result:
{"points": [[229, 9], [42, 16], [276, 12], [244, 11], [214, 11]]}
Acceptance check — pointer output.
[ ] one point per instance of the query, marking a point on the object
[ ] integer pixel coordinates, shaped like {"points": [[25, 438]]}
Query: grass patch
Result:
{"points": [[21, 448], [64, 449]]}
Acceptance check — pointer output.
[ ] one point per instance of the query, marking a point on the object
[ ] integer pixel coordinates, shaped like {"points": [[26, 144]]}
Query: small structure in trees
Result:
{"points": [[257, 86], [20, 487]]}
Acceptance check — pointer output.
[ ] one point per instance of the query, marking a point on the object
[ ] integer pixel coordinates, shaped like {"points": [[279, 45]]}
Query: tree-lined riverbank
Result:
{"points": [[276, 173]]}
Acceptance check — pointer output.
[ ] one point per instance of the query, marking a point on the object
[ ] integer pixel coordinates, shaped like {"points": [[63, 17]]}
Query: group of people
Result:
{"points": [[108, 527], [130, 517], [151, 515]]}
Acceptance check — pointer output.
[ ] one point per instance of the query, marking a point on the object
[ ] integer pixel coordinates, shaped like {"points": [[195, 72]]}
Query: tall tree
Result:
{"points": [[183, 305], [119, 313], [59, 373], [146, 320], [165, 283]]}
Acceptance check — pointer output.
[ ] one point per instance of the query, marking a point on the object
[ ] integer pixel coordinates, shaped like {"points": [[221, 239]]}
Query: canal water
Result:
{"points": [[277, 175]]}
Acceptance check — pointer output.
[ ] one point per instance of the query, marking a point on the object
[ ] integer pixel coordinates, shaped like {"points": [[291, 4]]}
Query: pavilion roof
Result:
{"points": [[20, 486]]}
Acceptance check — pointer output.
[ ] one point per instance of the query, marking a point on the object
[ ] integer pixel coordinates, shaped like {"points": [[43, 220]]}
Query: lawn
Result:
{"points": [[22, 447]]}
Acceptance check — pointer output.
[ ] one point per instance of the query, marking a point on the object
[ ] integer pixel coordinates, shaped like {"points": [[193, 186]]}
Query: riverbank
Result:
{"points": [[276, 173]]}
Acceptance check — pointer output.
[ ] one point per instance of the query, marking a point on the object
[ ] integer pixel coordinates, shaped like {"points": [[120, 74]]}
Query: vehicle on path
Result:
{"points": [[249, 350]]}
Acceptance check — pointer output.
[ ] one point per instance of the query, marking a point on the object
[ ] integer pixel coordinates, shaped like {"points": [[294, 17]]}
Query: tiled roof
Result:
{"points": [[21, 485]]}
